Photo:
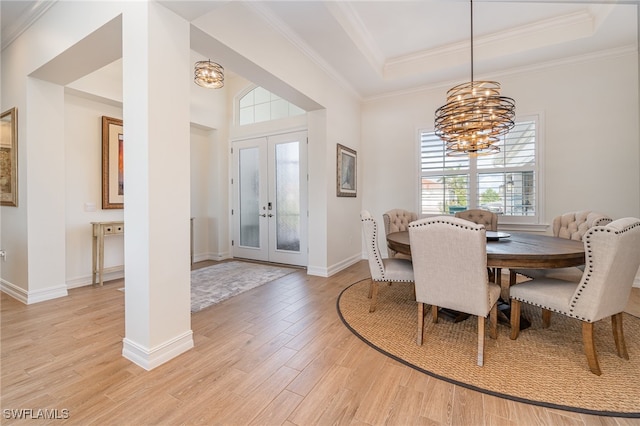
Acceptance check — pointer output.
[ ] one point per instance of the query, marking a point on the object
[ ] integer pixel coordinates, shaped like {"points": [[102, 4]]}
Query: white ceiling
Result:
{"points": [[378, 47]]}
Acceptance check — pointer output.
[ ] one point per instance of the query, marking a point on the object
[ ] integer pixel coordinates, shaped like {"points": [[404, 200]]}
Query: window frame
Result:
{"points": [[507, 222], [268, 105]]}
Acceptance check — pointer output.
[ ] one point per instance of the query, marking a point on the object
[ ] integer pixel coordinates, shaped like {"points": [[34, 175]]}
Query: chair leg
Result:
{"points": [[413, 287], [493, 322], [420, 322], [434, 313], [546, 318], [374, 296], [590, 347], [480, 341], [618, 335], [371, 289], [515, 318]]}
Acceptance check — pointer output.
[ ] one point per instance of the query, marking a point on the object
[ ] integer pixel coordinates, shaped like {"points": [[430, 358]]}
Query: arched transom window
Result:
{"points": [[260, 105]]}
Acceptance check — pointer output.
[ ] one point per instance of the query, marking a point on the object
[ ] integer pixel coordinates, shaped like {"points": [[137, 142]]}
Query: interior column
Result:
{"points": [[156, 79]]}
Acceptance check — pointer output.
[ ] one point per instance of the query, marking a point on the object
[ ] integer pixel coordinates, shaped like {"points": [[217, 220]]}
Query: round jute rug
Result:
{"points": [[544, 367]]}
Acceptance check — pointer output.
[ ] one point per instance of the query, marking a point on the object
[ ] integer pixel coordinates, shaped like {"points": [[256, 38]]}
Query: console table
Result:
{"points": [[100, 230]]}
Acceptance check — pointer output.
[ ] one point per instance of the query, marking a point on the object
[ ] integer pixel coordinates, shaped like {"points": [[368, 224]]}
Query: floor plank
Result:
{"points": [[276, 355]]}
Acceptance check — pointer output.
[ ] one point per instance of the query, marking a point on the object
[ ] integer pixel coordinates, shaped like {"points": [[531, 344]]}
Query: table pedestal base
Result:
{"points": [[504, 315], [451, 315]]}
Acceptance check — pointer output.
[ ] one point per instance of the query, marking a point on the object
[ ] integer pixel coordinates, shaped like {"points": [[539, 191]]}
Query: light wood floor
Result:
{"points": [[277, 355]]}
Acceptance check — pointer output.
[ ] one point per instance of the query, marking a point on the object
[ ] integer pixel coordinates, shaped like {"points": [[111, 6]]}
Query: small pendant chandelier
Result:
{"points": [[209, 74], [475, 116]]}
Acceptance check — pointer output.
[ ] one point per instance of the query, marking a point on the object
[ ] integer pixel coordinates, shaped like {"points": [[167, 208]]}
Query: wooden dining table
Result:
{"points": [[515, 250]]}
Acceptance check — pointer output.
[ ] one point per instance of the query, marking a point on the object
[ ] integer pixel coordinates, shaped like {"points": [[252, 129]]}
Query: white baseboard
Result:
{"points": [[152, 358], [211, 256], [31, 297], [14, 291], [111, 273], [333, 269]]}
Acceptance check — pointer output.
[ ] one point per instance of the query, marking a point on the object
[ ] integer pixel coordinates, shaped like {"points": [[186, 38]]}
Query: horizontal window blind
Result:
{"points": [[504, 183]]}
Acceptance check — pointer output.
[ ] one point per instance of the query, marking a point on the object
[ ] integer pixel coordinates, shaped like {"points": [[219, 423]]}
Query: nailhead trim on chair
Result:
{"points": [[375, 250], [588, 270], [480, 217], [416, 225], [448, 221], [373, 245]]}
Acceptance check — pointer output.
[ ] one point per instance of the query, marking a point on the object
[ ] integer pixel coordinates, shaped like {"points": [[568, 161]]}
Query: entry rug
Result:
{"points": [[216, 283], [543, 366]]}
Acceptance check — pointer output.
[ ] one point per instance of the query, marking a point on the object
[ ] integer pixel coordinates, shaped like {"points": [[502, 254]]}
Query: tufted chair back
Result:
{"points": [[481, 217], [397, 220], [612, 253], [574, 225], [571, 226]]}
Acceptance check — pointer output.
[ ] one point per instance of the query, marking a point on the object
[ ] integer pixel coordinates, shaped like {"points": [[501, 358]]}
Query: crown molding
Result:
{"points": [[526, 37], [496, 75], [285, 31], [24, 21], [356, 30]]}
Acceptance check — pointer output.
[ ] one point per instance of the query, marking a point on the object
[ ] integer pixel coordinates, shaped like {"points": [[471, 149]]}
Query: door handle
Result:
{"points": [[263, 215], [270, 215]]}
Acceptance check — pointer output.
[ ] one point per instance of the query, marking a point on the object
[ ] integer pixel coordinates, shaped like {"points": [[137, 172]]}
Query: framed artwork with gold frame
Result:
{"points": [[9, 158], [112, 163]]}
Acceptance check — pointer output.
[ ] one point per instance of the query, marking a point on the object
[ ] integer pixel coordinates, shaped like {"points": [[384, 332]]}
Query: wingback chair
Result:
{"points": [[572, 226], [450, 267], [382, 270], [613, 257], [397, 220]]}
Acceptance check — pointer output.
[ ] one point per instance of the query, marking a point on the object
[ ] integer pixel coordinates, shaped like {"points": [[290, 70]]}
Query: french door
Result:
{"points": [[270, 199]]}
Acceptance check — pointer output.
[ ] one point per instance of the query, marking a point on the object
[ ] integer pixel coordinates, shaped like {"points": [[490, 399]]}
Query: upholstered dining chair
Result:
{"points": [[382, 270], [397, 220], [490, 222], [481, 217], [613, 257], [450, 267], [572, 226]]}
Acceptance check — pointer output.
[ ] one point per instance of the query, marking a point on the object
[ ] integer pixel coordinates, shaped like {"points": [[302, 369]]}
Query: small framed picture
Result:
{"points": [[112, 164], [346, 172]]}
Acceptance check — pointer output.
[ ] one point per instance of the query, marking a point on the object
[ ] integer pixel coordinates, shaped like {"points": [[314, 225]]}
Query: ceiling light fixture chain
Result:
{"points": [[475, 115]]}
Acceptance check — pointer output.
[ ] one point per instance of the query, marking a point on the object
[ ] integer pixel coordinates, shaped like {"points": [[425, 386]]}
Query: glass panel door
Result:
{"points": [[250, 227], [288, 195], [270, 199], [248, 183]]}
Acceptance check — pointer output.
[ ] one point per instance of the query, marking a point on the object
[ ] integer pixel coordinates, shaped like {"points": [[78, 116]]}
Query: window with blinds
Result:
{"points": [[504, 183]]}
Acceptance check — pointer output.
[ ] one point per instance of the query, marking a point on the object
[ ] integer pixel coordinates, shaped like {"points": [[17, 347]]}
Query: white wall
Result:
{"points": [[591, 142], [333, 222], [83, 160], [35, 263], [202, 166], [591, 137], [83, 184]]}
